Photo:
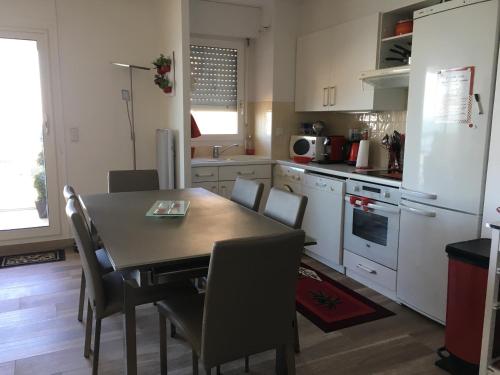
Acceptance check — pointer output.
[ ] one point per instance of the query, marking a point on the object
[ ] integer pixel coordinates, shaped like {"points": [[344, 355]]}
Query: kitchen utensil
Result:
{"points": [[337, 143], [318, 127], [403, 27], [403, 49], [353, 153], [404, 61], [354, 135]]}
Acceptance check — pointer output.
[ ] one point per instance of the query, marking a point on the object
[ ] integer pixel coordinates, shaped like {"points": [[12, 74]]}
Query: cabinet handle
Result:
{"points": [[204, 175], [321, 185], [416, 210], [326, 94], [332, 91], [246, 173], [366, 269]]}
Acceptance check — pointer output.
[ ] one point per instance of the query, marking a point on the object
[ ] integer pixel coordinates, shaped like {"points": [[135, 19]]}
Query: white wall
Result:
{"points": [[218, 19], [85, 37]]}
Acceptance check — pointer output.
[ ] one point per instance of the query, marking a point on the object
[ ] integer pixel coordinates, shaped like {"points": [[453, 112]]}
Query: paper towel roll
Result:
{"points": [[363, 153]]}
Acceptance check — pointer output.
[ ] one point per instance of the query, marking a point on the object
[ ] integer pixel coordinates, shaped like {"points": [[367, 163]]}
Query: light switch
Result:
{"points": [[74, 135]]}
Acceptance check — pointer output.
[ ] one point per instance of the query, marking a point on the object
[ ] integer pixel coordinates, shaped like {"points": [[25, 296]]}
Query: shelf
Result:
{"points": [[398, 38], [395, 77]]}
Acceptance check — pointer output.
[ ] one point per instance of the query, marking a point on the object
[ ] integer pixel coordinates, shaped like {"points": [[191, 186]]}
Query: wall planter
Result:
{"points": [[165, 73]]}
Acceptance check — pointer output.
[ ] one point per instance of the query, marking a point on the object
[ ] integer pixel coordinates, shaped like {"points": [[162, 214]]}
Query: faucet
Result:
{"points": [[217, 150]]}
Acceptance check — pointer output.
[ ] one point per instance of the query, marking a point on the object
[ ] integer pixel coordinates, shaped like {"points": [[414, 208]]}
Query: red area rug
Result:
{"points": [[332, 306]]}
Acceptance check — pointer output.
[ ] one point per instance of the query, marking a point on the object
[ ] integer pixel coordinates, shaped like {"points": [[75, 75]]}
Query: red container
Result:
{"points": [[403, 27], [466, 298], [302, 159]]}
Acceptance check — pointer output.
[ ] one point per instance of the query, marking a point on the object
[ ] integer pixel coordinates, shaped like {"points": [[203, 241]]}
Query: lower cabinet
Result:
{"points": [[220, 180]]}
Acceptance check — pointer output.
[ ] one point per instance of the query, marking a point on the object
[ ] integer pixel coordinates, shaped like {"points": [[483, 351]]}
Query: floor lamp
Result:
{"points": [[127, 98]]}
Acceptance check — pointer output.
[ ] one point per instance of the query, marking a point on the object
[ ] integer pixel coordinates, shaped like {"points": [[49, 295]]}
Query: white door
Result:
{"points": [[422, 262], [28, 192], [313, 69], [446, 161]]}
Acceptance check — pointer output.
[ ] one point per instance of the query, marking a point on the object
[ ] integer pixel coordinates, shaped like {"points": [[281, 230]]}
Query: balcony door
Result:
{"points": [[29, 205]]}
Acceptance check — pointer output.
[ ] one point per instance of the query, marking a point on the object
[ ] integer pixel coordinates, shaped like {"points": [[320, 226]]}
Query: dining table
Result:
{"points": [[145, 244]]}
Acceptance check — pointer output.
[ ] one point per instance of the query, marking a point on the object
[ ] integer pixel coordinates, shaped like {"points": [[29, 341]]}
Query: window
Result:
{"points": [[216, 89]]}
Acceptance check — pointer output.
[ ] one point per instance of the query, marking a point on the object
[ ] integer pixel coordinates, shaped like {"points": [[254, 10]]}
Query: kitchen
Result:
{"points": [[371, 125], [375, 156]]}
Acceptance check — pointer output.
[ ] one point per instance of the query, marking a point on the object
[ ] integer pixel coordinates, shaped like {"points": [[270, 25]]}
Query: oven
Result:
{"points": [[371, 227]]}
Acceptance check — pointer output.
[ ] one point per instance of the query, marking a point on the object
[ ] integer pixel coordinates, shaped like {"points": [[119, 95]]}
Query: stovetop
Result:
{"points": [[393, 175]]}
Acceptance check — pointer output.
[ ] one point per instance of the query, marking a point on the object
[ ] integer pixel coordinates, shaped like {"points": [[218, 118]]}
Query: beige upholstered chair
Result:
{"points": [[245, 310], [247, 193]]}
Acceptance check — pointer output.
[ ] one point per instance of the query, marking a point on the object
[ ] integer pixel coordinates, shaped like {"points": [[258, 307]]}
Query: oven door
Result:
{"points": [[373, 232]]}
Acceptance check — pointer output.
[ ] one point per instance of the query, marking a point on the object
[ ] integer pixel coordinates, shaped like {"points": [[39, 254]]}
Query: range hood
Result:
{"points": [[398, 76]]}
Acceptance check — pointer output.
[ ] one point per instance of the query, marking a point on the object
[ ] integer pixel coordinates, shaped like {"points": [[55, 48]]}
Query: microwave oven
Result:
{"points": [[309, 146]]}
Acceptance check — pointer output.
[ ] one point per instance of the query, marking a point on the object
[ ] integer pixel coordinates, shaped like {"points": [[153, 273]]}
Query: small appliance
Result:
{"points": [[337, 148], [307, 146], [352, 153]]}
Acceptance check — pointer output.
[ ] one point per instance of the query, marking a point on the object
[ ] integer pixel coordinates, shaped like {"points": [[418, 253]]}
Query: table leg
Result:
{"points": [[130, 345]]}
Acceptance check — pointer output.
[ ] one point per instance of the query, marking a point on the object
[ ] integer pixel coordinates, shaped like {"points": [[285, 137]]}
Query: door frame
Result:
{"points": [[49, 138]]}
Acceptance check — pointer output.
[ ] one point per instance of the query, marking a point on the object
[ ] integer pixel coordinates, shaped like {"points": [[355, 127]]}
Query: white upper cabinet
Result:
{"points": [[329, 64], [313, 71]]}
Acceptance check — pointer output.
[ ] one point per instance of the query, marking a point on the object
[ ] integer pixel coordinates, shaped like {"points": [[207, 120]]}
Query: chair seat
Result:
{"points": [[113, 290], [186, 313], [103, 260]]}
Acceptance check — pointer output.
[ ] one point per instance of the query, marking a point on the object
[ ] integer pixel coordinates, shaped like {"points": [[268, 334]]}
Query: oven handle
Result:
{"points": [[416, 210], [373, 206]]}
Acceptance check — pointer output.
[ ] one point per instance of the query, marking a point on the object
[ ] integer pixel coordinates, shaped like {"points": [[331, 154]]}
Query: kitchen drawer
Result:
{"points": [[372, 271], [210, 186], [329, 184], [231, 172], [202, 174]]}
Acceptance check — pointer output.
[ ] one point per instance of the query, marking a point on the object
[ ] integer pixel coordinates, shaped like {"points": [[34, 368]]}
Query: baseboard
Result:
{"points": [[36, 246]]}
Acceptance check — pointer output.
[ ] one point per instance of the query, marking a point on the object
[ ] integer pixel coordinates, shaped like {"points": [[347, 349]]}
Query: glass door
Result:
{"points": [[28, 188]]}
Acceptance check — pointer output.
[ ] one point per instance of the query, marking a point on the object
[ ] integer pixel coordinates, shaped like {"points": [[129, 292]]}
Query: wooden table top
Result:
{"points": [[136, 241]]}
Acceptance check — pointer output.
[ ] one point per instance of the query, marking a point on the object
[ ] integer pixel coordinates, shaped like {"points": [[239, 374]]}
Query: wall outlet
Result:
{"points": [[126, 95], [74, 134]]}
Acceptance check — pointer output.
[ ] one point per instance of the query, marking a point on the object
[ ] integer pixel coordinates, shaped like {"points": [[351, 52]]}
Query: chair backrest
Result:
{"points": [[88, 256], [138, 180], [70, 194], [250, 296], [286, 207], [248, 193]]}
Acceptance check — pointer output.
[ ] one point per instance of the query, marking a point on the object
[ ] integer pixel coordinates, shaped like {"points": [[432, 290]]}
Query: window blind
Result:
{"points": [[214, 76]]}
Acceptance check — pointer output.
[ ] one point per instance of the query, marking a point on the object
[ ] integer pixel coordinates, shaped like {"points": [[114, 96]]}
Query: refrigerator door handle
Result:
{"points": [[417, 211], [417, 194]]}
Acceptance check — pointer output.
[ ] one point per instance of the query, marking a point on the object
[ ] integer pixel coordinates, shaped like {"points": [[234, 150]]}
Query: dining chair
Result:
{"points": [[103, 261], [286, 207], [245, 310], [106, 292], [247, 193], [289, 209], [133, 180]]}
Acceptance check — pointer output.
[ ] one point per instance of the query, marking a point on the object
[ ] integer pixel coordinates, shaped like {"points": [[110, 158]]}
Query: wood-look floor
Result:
{"points": [[39, 334]]}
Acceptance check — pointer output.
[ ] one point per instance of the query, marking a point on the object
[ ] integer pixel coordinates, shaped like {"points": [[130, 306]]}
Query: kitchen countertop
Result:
{"points": [[231, 160], [340, 170]]}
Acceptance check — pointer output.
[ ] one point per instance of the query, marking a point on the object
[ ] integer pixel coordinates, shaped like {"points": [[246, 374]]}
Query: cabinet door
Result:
{"points": [[226, 188], [210, 186], [313, 70], [354, 50]]}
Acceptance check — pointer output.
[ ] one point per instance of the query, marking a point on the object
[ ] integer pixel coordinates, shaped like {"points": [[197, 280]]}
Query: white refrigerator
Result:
{"points": [[452, 78]]}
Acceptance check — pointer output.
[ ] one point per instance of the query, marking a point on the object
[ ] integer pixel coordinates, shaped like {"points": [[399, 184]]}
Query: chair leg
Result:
{"points": [[297, 339], [218, 370], [81, 303], [163, 344], [195, 363], [173, 330], [290, 360], [208, 371], [97, 345], [88, 331], [247, 364]]}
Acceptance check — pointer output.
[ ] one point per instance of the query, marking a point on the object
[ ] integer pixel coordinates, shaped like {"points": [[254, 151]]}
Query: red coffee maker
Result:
{"points": [[337, 148]]}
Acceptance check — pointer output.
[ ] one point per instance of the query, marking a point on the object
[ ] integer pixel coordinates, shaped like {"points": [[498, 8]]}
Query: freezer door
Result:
{"points": [[445, 162], [422, 262]]}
